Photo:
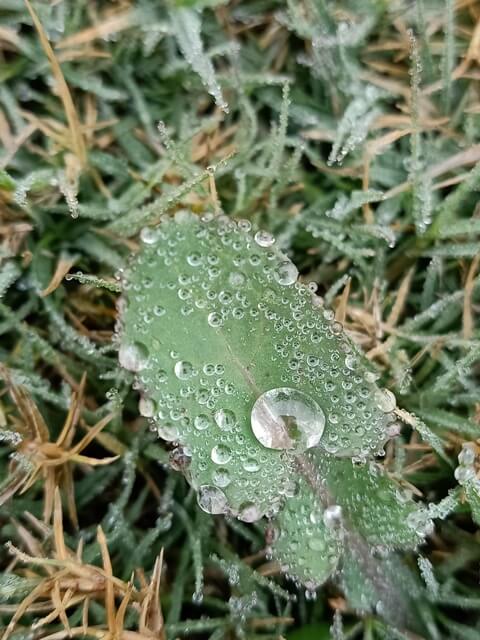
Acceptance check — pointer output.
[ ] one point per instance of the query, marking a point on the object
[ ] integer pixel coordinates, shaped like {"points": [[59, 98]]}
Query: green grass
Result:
{"points": [[353, 141]]}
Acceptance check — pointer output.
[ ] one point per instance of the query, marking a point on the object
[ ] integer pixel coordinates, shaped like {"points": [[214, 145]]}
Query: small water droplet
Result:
{"points": [[221, 477], [149, 235], [194, 259], [201, 422], [183, 369], [467, 454], [225, 419], [236, 279], [214, 319], [211, 499], [221, 454], [249, 512], [251, 465], [146, 407], [286, 418], [167, 431], [180, 459]]}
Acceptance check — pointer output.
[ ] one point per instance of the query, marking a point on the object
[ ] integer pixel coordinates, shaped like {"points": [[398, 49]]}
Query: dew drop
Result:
{"points": [[211, 499], [467, 454], [286, 418], [251, 465], [264, 238], [194, 259], [236, 279], [249, 512], [221, 454], [221, 477], [180, 459], [183, 369], [225, 419], [149, 235], [167, 431], [285, 273], [385, 400], [201, 422], [133, 357], [146, 407], [214, 319]]}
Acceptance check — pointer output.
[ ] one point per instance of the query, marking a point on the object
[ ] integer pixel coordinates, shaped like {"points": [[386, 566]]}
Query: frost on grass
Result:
{"points": [[186, 26], [262, 394], [466, 476]]}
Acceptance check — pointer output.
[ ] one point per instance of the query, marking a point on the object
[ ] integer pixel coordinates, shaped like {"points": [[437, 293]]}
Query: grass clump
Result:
{"points": [[349, 132]]}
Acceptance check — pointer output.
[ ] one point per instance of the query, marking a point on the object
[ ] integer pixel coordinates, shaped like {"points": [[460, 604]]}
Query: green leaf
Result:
{"points": [[242, 367], [371, 501], [306, 547], [343, 512]]}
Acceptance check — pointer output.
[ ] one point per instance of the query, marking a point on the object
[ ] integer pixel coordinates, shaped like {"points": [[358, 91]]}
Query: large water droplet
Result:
{"points": [[385, 400], [146, 407], [133, 357], [286, 418], [212, 499], [264, 238], [167, 431], [249, 512], [285, 273]]}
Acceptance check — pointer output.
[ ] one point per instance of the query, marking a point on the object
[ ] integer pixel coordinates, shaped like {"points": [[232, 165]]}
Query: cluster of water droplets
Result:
{"points": [[466, 472], [241, 369]]}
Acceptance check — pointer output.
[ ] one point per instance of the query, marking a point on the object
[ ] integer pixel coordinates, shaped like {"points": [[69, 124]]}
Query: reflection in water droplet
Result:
{"points": [[286, 418], [212, 499]]}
